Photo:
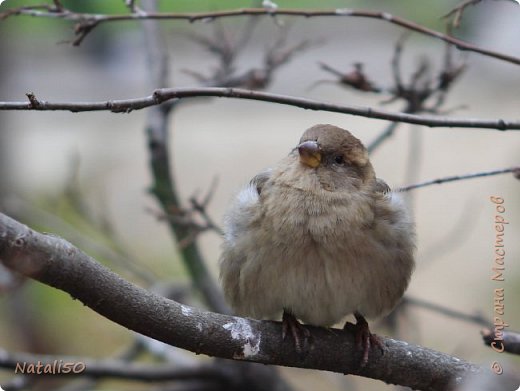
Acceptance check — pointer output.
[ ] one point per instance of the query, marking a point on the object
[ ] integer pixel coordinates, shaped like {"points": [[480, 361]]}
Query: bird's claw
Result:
{"points": [[365, 340], [300, 334]]}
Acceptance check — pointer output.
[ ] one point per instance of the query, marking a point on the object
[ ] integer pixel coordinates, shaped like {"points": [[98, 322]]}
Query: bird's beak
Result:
{"points": [[310, 153]]}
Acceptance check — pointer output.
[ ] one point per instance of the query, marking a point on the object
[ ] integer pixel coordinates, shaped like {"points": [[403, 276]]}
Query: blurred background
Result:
{"points": [[86, 176]]}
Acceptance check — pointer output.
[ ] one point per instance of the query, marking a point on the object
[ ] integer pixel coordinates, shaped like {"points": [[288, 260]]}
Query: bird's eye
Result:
{"points": [[339, 159]]}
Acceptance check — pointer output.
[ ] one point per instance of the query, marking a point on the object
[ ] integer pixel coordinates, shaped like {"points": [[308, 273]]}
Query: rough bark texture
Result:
{"points": [[55, 262]]}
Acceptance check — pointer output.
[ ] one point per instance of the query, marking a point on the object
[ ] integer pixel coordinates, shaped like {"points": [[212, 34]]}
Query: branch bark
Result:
{"points": [[57, 263], [165, 94]]}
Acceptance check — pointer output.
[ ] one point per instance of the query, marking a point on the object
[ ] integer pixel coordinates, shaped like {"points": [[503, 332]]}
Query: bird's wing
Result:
{"points": [[259, 180], [382, 186], [244, 207]]}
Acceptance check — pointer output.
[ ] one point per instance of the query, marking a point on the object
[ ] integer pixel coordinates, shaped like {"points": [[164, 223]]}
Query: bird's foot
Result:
{"points": [[365, 340], [300, 334]]}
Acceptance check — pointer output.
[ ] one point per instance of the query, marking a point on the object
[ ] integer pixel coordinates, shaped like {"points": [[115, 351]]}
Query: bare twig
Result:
{"points": [[86, 22], [396, 61], [438, 181], [55, 223], [227, 51], [165, 94], [57, 263], [451, 313], [356, 78], [422, 87], [419, 90], [201, 208], [457, 12], [186, 217], [383, 136]]}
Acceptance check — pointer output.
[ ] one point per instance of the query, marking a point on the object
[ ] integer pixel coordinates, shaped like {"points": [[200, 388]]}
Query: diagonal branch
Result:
{"points": [[448, 312], [86, 22], [57, 263], [165, 94]]}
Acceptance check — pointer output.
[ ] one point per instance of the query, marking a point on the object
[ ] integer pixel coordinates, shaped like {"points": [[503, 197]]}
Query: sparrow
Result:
{"points": [[316, 238]]}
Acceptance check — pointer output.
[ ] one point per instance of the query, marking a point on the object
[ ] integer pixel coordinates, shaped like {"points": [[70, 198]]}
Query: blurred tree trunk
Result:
{"points": [[4, 171]]}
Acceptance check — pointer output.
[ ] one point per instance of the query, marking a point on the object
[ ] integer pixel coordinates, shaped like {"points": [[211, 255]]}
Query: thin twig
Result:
{"points": [[86, 22], [165, 94], [356, 78], [459, 10], [438, 181], [55, 223], [383, 136], [227, 50], [476, 318]]}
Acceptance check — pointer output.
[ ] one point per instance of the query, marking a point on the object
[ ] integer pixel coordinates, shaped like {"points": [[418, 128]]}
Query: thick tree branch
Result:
{"points": [[86, 22], [165, 94], [55, 262]]}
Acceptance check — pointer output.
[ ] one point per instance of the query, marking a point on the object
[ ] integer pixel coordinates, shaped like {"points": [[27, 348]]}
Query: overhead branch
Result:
{"points": [[86, 22], [165, 94]]}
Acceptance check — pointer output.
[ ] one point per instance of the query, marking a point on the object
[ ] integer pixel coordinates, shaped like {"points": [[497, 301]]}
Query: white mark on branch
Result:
{"points": [[241, 330], [186, 311], [343, 11], [387, 16]]}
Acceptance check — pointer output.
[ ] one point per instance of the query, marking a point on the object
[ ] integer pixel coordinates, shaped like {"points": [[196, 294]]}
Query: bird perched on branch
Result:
{"points": [[318, 238]]}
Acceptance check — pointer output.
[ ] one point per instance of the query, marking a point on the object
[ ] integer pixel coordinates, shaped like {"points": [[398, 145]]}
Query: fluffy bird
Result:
{"points": [[318, 238]]}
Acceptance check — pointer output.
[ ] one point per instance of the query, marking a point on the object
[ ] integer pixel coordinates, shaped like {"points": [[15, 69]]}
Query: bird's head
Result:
{"points": [[338, 158]]}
